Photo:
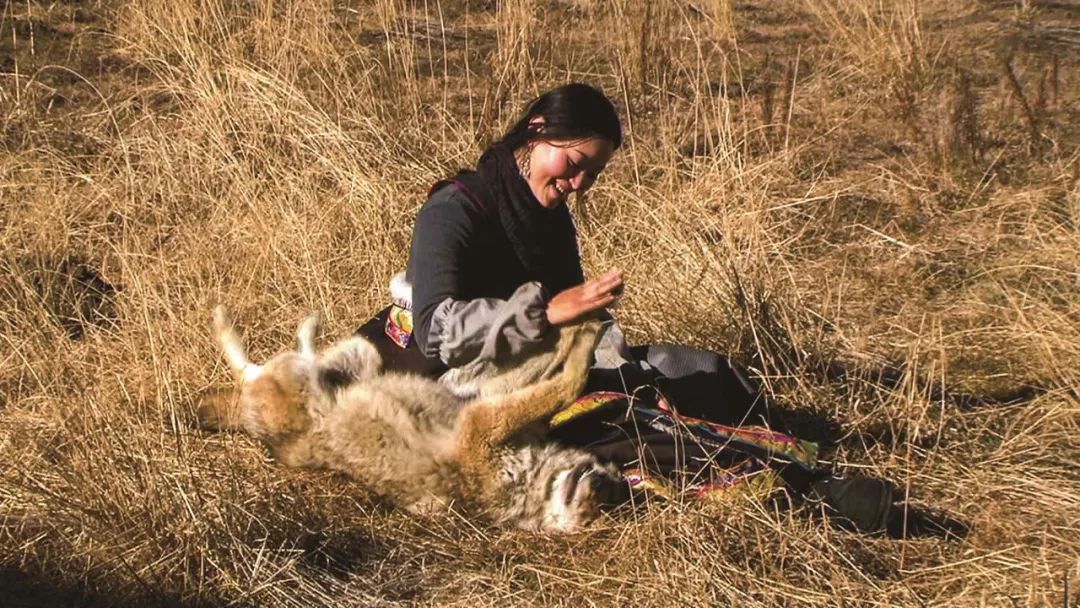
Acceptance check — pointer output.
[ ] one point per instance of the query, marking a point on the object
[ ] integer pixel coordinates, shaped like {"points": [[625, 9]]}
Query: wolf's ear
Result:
{"points": [[219, 410]]}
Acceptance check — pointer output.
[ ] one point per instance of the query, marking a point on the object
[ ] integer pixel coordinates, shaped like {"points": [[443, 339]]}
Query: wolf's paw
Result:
{"points": [[221, 319]]}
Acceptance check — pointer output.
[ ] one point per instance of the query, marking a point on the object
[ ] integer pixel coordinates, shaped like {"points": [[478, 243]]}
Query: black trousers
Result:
{"points": [[698, 383]]}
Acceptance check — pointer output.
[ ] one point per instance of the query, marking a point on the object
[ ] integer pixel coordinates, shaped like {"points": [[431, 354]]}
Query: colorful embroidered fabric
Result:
{"points": [[399, 325], [749, 450], [585, 404], [757, 441]]}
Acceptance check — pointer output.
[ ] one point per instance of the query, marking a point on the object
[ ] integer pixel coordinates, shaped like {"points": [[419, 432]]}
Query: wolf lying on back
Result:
{"points": [[413, 441]]}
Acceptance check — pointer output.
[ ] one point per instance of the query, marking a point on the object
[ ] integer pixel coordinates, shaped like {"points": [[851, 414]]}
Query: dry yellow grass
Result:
{"points": [[874, 205]]}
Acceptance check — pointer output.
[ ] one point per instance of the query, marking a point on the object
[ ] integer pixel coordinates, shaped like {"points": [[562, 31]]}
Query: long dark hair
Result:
{"points": [[571, 112]]}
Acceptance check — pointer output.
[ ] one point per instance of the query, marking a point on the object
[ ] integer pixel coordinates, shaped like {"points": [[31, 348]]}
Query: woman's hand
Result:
{"points": [[594, 294]]}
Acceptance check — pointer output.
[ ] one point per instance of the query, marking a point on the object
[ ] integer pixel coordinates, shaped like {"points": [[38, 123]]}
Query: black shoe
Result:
{"points": [[921, 523], [863, 503]]}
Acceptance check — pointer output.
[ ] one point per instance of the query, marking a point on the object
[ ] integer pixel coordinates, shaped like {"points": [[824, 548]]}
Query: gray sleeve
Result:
{"points": [[489, 329], [612, 350]]}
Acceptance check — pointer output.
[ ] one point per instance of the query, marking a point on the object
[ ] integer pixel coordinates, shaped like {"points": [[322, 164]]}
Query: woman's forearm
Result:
{"points": [[462, 331]]}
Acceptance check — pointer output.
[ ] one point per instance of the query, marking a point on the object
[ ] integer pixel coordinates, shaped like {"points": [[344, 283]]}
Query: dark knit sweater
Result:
{"points": [[471, 295]]}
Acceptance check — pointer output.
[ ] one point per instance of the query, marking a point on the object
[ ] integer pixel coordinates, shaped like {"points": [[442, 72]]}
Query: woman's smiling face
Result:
{"points": [[557, 168]]}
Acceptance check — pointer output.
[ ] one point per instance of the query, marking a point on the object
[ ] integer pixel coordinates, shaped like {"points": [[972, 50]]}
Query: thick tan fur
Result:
{"points": [[414, 441]]}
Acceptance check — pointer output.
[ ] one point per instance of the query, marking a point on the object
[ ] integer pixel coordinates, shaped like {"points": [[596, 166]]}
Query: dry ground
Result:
{"points": [[873, 204]]}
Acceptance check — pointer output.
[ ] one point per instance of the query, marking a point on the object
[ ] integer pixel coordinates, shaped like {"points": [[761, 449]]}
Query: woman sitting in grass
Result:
{"points": [[495, 266]]}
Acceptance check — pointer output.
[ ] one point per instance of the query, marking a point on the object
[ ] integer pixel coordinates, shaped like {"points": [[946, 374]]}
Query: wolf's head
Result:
{"points": [[550, 488]]}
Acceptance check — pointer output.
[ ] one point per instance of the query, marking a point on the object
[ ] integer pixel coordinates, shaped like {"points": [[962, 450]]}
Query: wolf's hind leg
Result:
{"points": [[306, 335], [233, 346]]}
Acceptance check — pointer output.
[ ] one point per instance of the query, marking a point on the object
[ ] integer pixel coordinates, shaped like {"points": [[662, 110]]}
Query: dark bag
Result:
{"points": [[408, 360]]}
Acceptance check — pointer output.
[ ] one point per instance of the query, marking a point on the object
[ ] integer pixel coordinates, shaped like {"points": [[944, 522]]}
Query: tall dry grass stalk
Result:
{"points": [[879, 38], [722, 15], [883, 248]]}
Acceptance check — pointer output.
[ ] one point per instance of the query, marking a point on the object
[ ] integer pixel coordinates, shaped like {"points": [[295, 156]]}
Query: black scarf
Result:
{"points": [[545, 240]]}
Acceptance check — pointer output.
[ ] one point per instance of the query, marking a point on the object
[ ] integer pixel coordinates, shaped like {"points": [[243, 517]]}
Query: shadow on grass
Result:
{"points": [[19, 589]]}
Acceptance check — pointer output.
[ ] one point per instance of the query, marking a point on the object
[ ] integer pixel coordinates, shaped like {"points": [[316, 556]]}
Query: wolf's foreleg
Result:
{"points": [[490, 422]]}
